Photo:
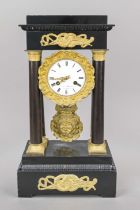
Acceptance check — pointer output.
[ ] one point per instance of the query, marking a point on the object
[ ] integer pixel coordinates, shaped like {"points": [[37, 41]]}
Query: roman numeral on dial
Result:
{"points": [[59, 65], [58, 89], [66, 92]]}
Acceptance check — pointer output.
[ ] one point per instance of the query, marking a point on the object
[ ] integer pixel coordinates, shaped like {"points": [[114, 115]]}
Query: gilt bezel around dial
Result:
{"points": [[66, 100]]}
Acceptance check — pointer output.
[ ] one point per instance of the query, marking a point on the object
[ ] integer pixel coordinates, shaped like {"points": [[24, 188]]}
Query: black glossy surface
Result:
{"points": [[35, 104], [34, 38], [97, 114], [29, 173], [66, 27], [91, 25], [66, 19], [71, 158], [75, 152], [42, 114]]}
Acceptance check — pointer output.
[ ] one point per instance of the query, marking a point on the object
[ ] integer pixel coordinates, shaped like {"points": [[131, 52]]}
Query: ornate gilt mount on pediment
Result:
{"points": [[66, 40]]}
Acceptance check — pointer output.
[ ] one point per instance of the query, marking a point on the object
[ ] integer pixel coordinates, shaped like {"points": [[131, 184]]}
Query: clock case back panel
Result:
{"points": [[67, 158]]}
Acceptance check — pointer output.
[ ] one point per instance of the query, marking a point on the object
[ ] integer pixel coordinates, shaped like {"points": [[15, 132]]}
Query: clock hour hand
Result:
{"points": [[55, 83], [58, 82], [76, 83]]}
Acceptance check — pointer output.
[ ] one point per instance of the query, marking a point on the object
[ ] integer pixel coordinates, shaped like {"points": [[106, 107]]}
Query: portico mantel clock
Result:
{"points": [[66, 165]]}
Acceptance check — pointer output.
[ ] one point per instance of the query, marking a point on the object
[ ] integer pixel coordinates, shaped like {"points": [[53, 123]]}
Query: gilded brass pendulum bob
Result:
{"points": [[66, 125]]}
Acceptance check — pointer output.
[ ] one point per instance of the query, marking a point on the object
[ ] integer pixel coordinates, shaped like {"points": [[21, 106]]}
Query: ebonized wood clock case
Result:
{"points": [[81, 167]]}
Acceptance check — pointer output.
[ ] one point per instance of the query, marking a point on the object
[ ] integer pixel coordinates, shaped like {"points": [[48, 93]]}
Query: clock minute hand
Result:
{"points": [[62, 78]]}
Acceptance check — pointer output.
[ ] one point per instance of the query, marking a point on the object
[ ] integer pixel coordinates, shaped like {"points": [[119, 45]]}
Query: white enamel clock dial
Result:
{"points": [[66, 77]]}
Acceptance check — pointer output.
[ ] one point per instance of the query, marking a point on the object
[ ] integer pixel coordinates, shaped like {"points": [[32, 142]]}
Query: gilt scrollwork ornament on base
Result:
{"points": [[66, 125], [66, 183], [66, 40]]}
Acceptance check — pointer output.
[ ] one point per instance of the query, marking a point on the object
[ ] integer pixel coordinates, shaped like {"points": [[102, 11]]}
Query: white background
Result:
{"points": [[122, 101]]}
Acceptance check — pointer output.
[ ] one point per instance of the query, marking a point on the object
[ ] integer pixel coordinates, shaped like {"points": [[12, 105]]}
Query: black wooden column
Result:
{"points": [[35, 98], [42, 115], [97, 106]]}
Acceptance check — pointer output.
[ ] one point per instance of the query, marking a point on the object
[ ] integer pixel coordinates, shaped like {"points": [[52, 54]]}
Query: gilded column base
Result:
{"points": [[96, 148], [38, 149]]}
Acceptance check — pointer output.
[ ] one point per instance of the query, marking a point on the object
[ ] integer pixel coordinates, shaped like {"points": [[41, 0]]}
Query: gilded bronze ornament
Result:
{"points": [[66, 40], [99, 54], [72, 99], [66, 183], [96, 148], [66, 125], [34, 55], [37, 149]]}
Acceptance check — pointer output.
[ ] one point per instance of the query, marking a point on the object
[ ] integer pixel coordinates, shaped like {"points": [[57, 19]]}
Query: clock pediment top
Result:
{"points": [[67, 27], [67, 23], [85, 29]]}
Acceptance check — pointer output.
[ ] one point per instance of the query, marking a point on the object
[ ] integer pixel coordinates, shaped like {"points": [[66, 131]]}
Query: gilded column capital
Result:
{"points": [[98, 54], [34, 55]]}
